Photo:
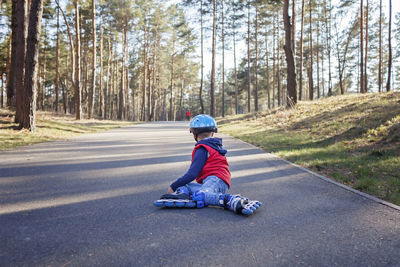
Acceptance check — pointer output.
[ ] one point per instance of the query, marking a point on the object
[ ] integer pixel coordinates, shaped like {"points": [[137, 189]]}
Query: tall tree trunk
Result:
{"points": [[267, 68], [133, 104], [170, 116], [256, 62], [164, 106], [248, 59], [11, 86], [274, 62], [212, 85], [317, 55], [153, 87], [112, 84], [390, 48], [362, 90], [310, 80], [64, 95], [121, 106], [143, 117], [323, 67], [85, 74], [20, 28], [31, 63], [127, 108], [293, 37], [44, 70], [380, 49], [327, 47], [57, 83], [279, 95], [107, 94], [202, 58], [2, 91], [149, 92], [77, 87], [223, 62], [180, 110], [64, 83], [301, 52], [121, 94], [235, 73], [92, 89], [291, 73], [8, 72], [38, 88], [101, 89], [366, 48], [149, 85]]}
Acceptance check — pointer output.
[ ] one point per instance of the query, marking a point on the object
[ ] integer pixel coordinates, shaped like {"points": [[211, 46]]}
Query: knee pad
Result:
{"points": [[199, 197]]}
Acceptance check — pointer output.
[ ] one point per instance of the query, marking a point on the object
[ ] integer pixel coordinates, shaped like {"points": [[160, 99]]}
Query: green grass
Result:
{"points": [[354, 139], [49, 127]]}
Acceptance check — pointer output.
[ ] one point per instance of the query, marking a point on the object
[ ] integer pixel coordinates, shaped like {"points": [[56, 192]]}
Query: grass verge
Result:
{"points": [[49, 127], [354, 139]]}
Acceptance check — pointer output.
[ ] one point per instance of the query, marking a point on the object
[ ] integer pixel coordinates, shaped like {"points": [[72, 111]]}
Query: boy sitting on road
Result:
{"points": [[211, 170]]}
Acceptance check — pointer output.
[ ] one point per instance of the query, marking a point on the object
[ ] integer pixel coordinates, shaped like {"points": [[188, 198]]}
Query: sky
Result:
{"points": [[242, 46]]}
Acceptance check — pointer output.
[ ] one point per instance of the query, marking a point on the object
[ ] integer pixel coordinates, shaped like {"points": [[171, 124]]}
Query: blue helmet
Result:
{"points": [[203, 123]]}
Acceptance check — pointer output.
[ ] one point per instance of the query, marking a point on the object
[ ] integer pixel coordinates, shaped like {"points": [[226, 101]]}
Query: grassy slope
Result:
{"points": [[49, 127], [354, 139]]}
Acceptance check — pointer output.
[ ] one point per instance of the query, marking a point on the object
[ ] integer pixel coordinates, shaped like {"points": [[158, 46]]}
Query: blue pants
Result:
{"points": [[212, 187]]}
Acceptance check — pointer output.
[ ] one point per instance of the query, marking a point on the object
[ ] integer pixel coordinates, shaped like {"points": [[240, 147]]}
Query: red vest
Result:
{"points": [[216, 164]]}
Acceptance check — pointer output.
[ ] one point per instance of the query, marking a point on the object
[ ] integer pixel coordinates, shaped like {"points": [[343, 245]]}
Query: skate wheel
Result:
{"points": [[180, 204]]}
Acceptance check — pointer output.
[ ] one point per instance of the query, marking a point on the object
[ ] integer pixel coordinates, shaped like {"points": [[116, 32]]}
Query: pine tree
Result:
{"points": [[31, 62], [388, 88], [19, 61], [291, 74]]}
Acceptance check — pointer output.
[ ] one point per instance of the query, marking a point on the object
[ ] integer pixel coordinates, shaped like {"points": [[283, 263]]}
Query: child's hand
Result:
{"points": [[170, 191]]}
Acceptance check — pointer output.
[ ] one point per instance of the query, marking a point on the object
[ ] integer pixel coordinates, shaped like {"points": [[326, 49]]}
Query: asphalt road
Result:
{"points": [[88, 202]]}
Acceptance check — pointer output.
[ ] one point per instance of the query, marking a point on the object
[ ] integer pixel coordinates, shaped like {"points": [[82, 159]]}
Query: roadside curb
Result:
{"points": [[326, 179]]}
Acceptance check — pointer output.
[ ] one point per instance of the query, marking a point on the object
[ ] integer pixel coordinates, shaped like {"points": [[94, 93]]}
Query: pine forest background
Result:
{"points": [[149, 60]]}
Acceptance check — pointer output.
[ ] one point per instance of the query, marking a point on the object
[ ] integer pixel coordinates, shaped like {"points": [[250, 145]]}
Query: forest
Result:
{"points": [[153, 60]]}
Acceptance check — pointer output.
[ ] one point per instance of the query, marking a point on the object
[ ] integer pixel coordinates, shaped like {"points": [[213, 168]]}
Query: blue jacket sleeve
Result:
{"points": [[199, 160]]}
